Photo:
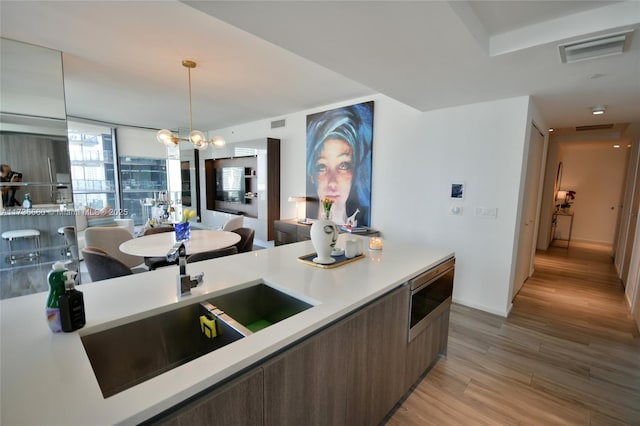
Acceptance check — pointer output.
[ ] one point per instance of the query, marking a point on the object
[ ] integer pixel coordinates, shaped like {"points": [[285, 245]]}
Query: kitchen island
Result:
{"points": [[47, 378]]}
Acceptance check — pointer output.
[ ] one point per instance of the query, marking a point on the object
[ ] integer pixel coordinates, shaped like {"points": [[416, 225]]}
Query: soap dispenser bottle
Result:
{"points": [[71, 304], [26, 203], [56, 280]]}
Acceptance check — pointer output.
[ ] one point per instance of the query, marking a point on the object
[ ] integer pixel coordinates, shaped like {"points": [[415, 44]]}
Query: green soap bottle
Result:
{"points": [[56, 280], [26, 203]]}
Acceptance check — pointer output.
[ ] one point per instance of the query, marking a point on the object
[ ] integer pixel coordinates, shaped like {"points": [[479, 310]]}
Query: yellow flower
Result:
{"points": [[326, 205], [188, 214]]}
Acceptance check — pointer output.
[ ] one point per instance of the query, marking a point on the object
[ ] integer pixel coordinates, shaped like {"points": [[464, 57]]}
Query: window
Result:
{"points": [[141, 178], [92, 165]]}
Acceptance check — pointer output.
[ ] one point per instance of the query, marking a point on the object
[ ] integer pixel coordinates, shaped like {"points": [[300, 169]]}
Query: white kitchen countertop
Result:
{"points": [[46, 378]]}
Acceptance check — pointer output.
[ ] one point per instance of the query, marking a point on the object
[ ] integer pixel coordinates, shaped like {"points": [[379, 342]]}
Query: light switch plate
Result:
{"points": [[491, 213]]}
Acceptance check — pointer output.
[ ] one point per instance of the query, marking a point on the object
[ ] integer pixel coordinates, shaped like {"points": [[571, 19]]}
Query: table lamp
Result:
{"points": [[300, 210]]}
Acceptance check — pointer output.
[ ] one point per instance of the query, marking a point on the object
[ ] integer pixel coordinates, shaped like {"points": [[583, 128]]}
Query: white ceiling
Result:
{"points": [[266, 59], [502, 16]]}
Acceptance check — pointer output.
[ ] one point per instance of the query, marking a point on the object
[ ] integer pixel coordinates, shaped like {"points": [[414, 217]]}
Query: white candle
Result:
{"points": [[375, 243]]}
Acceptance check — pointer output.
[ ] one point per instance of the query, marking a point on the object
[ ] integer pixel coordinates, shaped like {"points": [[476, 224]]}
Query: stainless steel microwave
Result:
{"points": [[430, 295]]}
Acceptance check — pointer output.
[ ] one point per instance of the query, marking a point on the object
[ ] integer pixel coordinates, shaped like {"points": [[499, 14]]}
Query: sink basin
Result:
{"points": [[129, 354], [259, 306]]}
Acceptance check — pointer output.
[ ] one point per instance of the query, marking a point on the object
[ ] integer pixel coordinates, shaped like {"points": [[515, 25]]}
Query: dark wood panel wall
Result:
{"points": [[250, 207], [273, 186]]}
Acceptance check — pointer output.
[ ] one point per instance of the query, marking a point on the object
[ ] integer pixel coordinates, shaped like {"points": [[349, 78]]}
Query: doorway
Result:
{"points": [[527, 241], [604, 175]]}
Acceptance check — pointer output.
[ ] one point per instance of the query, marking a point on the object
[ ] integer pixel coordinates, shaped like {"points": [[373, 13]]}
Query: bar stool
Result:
{"points": [[64, 251], [9, 236]]}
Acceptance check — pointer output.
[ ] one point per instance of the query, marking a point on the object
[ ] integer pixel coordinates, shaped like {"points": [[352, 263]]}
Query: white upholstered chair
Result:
{"points": [[109, 238], [233, 223], [82, 225]]}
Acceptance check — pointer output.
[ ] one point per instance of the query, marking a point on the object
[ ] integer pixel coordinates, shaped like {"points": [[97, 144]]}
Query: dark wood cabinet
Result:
{"points": [[307, 385], [239, 402], [285, 232], [289, 231], [350, 374], [376, 367], [260, 180], [426, 347]]}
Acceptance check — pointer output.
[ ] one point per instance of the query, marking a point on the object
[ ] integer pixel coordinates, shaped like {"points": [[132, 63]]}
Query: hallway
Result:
{"points": [[569, 353]]}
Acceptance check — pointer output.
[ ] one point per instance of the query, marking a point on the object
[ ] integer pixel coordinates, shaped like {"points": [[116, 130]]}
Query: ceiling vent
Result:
{"points": [[597, 47], [594, 127], [277, 123]]}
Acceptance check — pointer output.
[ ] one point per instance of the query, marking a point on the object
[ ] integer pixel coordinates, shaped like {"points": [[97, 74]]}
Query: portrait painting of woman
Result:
{"points": [[339, 163]]}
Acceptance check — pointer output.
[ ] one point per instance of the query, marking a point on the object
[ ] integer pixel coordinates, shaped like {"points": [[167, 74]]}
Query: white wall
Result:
{"points": [[31, 80], [632, 290], [631, 137], [133, 142], [416, 156], [595, 170]]}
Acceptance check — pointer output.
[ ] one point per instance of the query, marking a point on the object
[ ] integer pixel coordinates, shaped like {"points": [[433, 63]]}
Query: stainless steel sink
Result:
{"points": [[259, 306], [129, 354]]}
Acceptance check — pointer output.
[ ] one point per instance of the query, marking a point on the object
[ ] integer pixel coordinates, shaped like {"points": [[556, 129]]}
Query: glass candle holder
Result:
{"points": [[375, 243]]}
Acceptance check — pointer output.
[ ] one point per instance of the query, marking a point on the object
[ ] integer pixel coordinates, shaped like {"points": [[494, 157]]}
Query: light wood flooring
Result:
{"points": [[569, 353]]}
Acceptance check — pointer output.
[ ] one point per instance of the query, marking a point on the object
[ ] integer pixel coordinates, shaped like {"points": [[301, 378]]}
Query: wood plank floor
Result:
{"points": [[569, 353]]}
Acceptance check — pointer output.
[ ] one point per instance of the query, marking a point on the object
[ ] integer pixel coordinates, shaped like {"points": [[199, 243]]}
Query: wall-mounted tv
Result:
{"points": [[230, 184]]}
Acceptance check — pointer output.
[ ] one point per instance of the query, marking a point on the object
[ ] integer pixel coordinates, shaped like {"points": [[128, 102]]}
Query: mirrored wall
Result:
{"points": [[37, 192]]}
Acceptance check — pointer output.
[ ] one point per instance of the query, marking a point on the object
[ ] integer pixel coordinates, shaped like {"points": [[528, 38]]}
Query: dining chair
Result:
{"points": [[102, 266], [233, 223], [108, 239], [158, 230], [211, 254], [246, 239], [154, 263]]}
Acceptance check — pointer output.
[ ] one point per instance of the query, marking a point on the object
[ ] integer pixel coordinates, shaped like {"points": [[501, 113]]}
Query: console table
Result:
{"points": [[554, 225], [291, 231]]}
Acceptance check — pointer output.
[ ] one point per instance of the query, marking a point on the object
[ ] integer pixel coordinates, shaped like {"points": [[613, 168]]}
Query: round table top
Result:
{"points": [[157, 245]]}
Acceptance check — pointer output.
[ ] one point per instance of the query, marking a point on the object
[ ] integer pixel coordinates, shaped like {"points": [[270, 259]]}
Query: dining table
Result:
{"points": [[157, 245]]}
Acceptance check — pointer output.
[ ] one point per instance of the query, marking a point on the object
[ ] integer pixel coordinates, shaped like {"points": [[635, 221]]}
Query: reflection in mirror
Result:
{"points": [[33, 141], [40, 159], [93, 168], [188, 166]]}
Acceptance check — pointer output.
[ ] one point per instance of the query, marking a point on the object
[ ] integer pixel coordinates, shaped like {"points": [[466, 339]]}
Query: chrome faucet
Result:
{"points": [[185, 281]]}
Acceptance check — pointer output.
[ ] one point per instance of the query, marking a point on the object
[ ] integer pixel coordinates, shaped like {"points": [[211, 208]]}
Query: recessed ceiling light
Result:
{"points": [[551, 129], [598, 110], [616, 146]]}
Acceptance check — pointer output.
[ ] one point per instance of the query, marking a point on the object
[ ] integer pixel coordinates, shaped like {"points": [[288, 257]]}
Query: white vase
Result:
{"points": [[324, 234]]}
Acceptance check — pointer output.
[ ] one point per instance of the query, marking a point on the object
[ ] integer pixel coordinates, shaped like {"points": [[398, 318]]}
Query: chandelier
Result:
{"points": [[196, 137]]}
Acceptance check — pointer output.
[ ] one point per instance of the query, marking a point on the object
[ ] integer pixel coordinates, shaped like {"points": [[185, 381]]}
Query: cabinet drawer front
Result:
{"points": [[304, 233], [284, 237]]}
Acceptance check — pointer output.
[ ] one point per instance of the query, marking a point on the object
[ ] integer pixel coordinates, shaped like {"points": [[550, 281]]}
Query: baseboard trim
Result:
{"points": [[474, 305]]}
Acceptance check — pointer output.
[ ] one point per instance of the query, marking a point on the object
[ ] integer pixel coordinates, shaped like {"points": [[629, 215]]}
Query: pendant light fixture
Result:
{"points": [[196, 137]]}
